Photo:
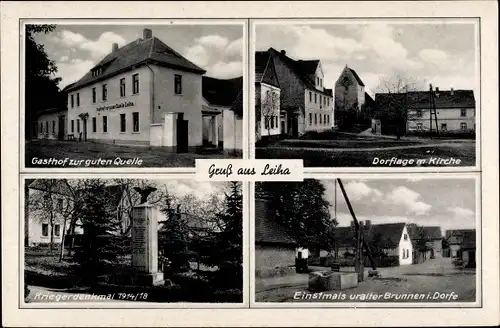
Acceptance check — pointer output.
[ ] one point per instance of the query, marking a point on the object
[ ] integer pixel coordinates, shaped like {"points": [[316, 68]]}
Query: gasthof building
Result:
{"points": [[143, 93]]}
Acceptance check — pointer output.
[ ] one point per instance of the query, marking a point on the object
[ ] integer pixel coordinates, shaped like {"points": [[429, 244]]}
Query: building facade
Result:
{"points": [[352, 103], [51, 124], [275, 249], [142, 93], [307, 104]]}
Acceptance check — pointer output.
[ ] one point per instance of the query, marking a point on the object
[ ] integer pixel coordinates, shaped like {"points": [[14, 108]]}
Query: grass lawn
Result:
{"points": [[82, 154], [328, 157]]}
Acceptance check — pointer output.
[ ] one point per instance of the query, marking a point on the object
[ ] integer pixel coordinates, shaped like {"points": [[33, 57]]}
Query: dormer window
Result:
{"points": [[97, 71]]}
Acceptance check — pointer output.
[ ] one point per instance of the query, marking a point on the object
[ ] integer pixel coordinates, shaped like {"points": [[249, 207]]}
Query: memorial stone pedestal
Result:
{"points": [[145, 245]]}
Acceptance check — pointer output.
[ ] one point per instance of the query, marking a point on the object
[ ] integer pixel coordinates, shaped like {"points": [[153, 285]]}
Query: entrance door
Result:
{"points": [[85, 129], [60, 130], [295, 126], [182, 134], [472, 259]]}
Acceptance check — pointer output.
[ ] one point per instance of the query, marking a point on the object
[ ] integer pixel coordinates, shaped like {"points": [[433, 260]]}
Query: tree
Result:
{"points": [[52, 202], [41, 86], [270, 111], [227, 250], [395, 111], [101, 226], [303, 209]]}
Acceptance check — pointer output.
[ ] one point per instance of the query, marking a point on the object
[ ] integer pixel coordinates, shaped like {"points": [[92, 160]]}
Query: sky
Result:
{"points": [[448, 203], [200, 189], [77, 48], [437, 53]]}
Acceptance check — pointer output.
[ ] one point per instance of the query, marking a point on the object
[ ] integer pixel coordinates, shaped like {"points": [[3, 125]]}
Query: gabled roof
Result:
{"points": [[369, 102], [428, 233], [221, 92], [307, 66], [267, 228], [265, 71], [56, 186], [469, 239], [420, 99], [299, 69], [455, 237], [356, 76], [134, 54], [384, 235]]}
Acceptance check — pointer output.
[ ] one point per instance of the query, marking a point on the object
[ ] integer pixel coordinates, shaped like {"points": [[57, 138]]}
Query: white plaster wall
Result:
{"points": [[405, 245], [141, 100], [319, 109], [189, 102], [276, 130]]}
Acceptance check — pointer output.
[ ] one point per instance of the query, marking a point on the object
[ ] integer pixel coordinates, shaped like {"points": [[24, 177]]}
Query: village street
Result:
{"points": [[436, 275]]}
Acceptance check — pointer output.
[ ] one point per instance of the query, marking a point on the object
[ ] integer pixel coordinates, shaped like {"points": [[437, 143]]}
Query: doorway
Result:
{"points": [[182, 134]]}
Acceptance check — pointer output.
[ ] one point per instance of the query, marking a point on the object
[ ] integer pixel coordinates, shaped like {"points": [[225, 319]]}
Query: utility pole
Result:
{"points": [[432, 110]]}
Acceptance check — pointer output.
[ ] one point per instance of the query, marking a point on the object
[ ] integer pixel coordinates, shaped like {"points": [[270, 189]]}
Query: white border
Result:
{"points": [[429, 176]]}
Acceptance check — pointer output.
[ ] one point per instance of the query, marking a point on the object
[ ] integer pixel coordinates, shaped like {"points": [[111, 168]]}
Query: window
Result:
{"points": [[317, 80], [135, 120], [53, 126], [324, 101], [94, 124], [72, 101], [72, 126], [315, 98], [57, 230], [104, 124], [419, 126], [320, 118], [310, 118], [123, 123], [272, 122], [122, 87], [266, 123], [463, 126], [104, 92], [320, 99], [78, 100], [407, 253], [135, 84], [443, 126], [310, 96], [94, 95], [178, 84], [405, 237], [59, 204], [419, 113], [46, 127], [77, 125], [315, 118], [463, 112], [45, 229], [404, 253], [41, 127]]}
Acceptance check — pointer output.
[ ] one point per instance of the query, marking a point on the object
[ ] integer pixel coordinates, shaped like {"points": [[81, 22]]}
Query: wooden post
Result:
{"points": [[349, 206], [361, 272]]}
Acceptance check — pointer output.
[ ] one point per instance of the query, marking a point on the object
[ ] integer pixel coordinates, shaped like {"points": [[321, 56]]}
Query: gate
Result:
{"points": [[60, 130], [182, 134]]}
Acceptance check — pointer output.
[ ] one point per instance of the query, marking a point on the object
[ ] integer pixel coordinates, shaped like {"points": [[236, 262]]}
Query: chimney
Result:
{"points": [[147, 34], [451, 91], [115, 47], [283, 52]]}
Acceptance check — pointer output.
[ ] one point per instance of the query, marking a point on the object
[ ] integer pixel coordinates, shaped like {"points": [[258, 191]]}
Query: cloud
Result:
{"points": [[73, 70], [235, 48], [460, 211], [359, 190], [223, 69], [198, 55], [409, 199], [97, 48], [213, 40], [201, 190]]}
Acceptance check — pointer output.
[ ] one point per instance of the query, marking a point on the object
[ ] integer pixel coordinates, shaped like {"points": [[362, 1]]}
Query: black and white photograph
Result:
{"points": [[131, 240], [367, 241], [372, 93], [132, 95]]}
